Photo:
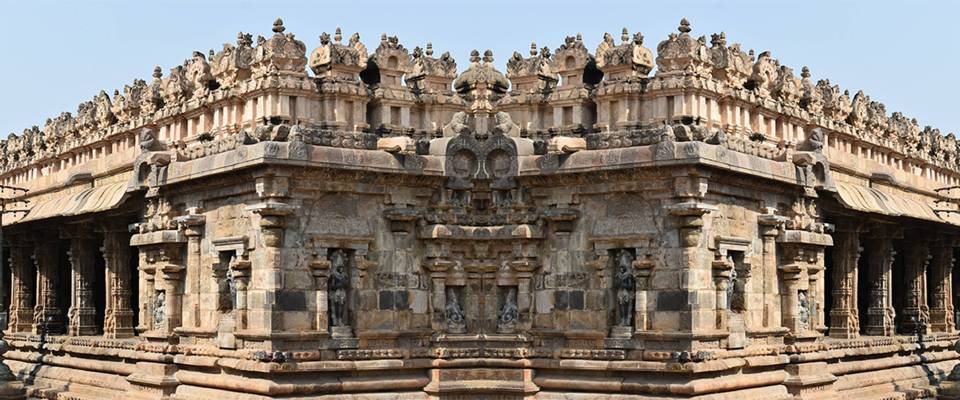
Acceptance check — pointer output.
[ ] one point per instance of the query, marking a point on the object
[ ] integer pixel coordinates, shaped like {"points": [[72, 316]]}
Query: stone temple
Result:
{"points": [[271, 222]]}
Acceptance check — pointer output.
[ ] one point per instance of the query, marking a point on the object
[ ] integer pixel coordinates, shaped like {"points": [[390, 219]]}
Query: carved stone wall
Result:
{"points": [[694, 222]]}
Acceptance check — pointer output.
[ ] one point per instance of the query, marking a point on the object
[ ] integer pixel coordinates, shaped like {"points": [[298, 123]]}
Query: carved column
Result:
{"points": [[916, 313], [722, 270], [880, 313], [320, 269], [844, 321], [147, 295], [240, 270], [161, 290], [193, 282], [770, 226], [438, 275], [643, 269], [118, 316], [21, 287], [790, 311], [82, 314], [47, 306], [941, 300], [689, 221]]}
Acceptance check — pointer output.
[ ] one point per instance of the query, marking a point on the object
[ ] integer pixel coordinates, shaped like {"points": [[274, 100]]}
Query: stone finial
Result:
{"points": [[488, 56], [805, 72], [624, 35], [429, 51], [339, 59], [682, 54], [579, 37], [281, 54], [718, 39], [244, 39], [157, 72], [474, 56], [533, 48]]}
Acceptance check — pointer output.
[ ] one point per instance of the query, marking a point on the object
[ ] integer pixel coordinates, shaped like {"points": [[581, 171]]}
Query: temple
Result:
{"points": [[271, 221]]}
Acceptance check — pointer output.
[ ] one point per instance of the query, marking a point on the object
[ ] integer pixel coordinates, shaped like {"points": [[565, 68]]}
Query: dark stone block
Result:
{"points": [[401, 300], [292, 301], [386, 300], [672, 301], [575, 300], [561, 300]]}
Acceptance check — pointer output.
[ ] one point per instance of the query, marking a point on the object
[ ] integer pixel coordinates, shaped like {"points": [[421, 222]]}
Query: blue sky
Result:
{"points": [[58, 54]]}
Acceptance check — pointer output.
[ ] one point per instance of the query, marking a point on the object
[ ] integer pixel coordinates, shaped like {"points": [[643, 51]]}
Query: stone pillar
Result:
{"points": [[193, 282], [82, 314], [320, 269], [770, 225], [47, 308], [21, 288], [941, 300], [880, 313], [844, 321], [438, 275], [161, 281], [146, 296], [722, 270], [172, 283], [790, 275], [118, 316], [916, 314], [240, 270], [522, 273], [644, 269]]}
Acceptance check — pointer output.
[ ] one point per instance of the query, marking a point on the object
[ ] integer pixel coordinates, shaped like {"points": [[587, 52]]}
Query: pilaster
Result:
{"points": [[941, 300], [916, 312], [880, 312], [82, 314], [47, 309], [118, 316], [844, 318], [21, 287]]}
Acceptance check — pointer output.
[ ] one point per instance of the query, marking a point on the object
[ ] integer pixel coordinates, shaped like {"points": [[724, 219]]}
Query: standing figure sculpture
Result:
{"points": [[625, 285], [509, 313], [804, 312], [456, 323], [339, 282], [159, 310]]}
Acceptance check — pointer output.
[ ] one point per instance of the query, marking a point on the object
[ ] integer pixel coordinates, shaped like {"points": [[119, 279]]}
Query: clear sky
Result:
{"points": [[57, 54]]}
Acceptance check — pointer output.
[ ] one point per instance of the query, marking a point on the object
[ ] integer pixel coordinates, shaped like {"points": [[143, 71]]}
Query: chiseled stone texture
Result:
{"points": [[271, 222]]}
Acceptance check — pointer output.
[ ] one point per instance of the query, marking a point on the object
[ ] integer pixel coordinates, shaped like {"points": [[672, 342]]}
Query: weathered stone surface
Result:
{"points": [[697, 223]]}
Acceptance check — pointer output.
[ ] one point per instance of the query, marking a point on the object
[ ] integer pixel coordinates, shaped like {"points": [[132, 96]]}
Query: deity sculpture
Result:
{"points": [[339, 282], [804, 311], [456, 323], [159, 309], [508, 312], [625, 285], [732, 286]]}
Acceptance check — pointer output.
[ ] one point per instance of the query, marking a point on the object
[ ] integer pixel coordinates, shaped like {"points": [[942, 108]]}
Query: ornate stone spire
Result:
{"points": [[730, 64], [533, 74], [392, 59], [338, 61], [429, 74], [232, 64], [281, 54], [570, 59], [628, 59], [682, 54]]}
